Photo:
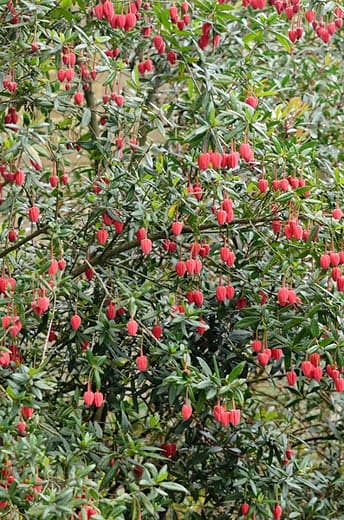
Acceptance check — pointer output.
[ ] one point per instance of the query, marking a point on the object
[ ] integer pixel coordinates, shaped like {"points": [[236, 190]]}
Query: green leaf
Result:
{"points": [[109, 476], [86, 117], [196, 134], [174, 486], [315, 328], [235, 373], [283, 40], [162, 475], [205, 367], [249, 321], [147, 504]]}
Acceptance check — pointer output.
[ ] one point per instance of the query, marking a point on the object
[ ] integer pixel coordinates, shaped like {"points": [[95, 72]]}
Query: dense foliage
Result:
{"points": [[171, 289]]}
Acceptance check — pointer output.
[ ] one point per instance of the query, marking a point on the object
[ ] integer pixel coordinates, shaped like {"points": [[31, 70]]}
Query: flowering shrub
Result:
{"points": [[171, 285]]}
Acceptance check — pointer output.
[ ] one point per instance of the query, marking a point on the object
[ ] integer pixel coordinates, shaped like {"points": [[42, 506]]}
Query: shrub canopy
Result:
{"points": [[171, 285]]}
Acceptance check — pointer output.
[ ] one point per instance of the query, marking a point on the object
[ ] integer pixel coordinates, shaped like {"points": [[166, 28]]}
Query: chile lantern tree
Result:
{"points": [[172, 259]]}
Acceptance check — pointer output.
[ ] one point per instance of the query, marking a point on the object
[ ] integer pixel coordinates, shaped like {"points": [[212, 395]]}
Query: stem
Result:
{"points": [[48, 332], [91, 104], [18, 244], [108, 254]]}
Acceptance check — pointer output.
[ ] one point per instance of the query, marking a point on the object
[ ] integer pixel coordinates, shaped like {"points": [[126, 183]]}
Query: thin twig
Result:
{"points": [[45, 348], [102, 258], [17, 245]]}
